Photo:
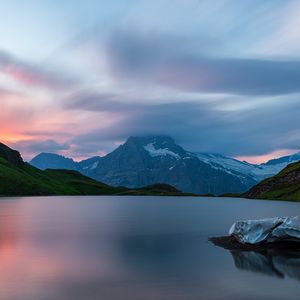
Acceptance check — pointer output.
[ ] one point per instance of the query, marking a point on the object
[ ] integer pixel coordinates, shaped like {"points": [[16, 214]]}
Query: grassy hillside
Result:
{"points": [[159, 189], [283, 186], [18, 178], [27, 180]]}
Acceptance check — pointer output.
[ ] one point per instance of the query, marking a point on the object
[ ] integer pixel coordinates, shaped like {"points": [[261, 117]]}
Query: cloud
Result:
{"points": [[38, 146], [284, 39], [184, 75], [96, 101], [185, 64], [33, 74], [198, 126], [6, 93]]}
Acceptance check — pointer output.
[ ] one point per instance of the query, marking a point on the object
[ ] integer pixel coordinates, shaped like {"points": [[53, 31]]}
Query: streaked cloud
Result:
{"points": [[221, 76], [183, 64], [37, 146], [31, 74], [199, 126]]}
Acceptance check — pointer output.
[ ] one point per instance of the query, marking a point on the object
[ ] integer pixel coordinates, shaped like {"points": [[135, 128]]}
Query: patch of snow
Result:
{"points": [[222, 162], [94, 165], [229, 165], [264, 171], [160, 152]]}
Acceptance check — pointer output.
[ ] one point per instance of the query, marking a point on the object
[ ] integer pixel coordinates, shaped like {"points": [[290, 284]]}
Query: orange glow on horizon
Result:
{"points": [[10, 137], [258, 159]]}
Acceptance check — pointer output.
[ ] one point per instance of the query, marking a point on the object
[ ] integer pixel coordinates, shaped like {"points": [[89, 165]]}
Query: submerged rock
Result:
{"points": [[270, 230]]}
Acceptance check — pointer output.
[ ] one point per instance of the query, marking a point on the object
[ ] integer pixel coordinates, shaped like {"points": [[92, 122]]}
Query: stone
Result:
{"points": [[269, 230]]}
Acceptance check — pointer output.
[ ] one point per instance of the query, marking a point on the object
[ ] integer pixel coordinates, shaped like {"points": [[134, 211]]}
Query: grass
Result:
{"points": [[283, 186], [158, 189]]}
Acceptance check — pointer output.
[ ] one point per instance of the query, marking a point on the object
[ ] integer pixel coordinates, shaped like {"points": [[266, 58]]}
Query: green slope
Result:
{"points": [[159, 189], [18, 178], [27, 180], [283, 186]]}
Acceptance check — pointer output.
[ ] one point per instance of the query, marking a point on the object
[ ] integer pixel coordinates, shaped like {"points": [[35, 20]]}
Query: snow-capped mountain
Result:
{"points": [[228, 164], [143, 161], [242, 168], [284, 159]]}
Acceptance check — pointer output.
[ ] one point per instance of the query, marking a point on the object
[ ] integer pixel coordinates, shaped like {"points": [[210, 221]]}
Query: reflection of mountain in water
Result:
{"points": [[273, 263]]}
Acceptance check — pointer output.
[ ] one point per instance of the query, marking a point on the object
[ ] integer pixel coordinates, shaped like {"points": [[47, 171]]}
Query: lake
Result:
{"points": [[137, 248]]}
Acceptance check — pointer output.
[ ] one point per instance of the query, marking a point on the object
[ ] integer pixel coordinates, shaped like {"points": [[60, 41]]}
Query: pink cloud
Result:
{"points": [[33, 75]]}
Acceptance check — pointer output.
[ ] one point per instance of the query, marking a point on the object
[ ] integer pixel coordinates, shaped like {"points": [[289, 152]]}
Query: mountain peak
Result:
{"points": [[157, 146], [49, 154], [146, 160], [159, 139], [56, 161], [284, 159]]}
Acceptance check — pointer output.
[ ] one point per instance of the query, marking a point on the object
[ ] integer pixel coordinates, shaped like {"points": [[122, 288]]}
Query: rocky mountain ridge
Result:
{"points": [[18, 178], [147, 160]]}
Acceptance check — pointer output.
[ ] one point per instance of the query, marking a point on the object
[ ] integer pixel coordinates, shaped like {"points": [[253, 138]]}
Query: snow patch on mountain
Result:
{"points": [[264, 170], [94, 165], [228, 164], [153, 152], [242, 168]]}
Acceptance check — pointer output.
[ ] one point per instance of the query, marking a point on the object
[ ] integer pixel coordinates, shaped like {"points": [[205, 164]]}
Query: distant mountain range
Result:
{"points": [[254, 171], [144, 161], [18, 178]]}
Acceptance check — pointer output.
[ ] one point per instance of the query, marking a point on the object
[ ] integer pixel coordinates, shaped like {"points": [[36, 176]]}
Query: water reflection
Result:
{"points": [[273, 263], [111, 248]]}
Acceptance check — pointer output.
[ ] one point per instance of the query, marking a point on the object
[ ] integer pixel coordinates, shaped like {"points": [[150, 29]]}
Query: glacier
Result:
{"points": [[243, 168]]}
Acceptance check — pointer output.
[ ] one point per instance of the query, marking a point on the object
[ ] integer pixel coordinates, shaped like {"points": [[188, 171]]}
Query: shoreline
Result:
{"points": [[230, 243]]}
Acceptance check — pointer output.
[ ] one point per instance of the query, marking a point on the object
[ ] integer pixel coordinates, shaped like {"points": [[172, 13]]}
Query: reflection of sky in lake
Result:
{"points": [[133, 248]]}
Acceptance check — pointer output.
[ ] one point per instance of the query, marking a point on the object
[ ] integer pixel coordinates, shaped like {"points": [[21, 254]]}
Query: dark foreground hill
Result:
{"points": [[284, 186], [18, 178]]}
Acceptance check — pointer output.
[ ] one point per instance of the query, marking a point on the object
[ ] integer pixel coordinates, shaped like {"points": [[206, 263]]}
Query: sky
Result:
{"points": [[79, 77]]}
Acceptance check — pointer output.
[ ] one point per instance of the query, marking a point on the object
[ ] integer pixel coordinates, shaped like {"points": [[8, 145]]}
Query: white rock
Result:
{"points": [[254, 231], [289, 229], [266, 230]]}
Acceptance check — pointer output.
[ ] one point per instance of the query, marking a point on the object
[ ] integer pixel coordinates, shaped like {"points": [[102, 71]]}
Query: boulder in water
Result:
{"points": [[278, 229]]}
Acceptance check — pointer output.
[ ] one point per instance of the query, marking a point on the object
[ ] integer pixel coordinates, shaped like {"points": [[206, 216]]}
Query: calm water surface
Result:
{"points": [[136, 248]]}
